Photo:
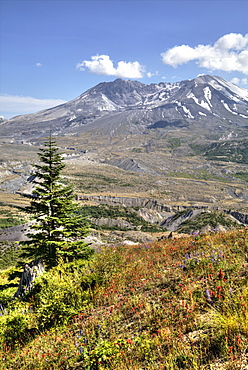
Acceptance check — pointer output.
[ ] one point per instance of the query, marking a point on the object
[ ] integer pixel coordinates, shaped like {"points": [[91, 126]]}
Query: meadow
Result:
{"points": [[174, 304]]}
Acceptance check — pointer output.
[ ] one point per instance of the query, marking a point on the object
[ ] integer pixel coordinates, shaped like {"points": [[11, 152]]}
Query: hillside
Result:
{"points": [[174, 304]]}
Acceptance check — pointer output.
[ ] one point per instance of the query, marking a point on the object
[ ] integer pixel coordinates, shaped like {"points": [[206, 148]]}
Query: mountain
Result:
{"points": [[207, 103]]}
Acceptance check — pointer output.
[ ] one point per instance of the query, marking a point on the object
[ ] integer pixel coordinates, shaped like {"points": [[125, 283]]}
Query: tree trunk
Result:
{"points": [[30, 272]]}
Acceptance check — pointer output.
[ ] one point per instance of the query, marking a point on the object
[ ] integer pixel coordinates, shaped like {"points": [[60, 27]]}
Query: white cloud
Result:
{"points": [[229, 53], [239, 81], [234, 41], [235, 80], [13, 104], [38, 64], [103, 65], [150, 74]]}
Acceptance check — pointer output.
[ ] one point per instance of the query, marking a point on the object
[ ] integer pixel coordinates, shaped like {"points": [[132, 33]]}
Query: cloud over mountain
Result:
{"points": [[229, 53], [239, 81], [103, 65], [14, 104]]}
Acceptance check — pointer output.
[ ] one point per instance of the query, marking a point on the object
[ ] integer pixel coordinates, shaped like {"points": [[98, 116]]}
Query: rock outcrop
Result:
{"points": [[241, 217]]}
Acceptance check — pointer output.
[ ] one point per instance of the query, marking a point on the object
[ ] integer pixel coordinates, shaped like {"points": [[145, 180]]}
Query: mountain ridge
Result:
{"points": [[180, 103]]}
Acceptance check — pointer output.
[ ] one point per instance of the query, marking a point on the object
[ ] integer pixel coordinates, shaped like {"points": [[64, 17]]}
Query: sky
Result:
{"points": [[51, 51]]}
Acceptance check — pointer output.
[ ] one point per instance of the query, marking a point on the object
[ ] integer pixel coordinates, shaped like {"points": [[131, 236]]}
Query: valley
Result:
{"points": [[183, 145]]}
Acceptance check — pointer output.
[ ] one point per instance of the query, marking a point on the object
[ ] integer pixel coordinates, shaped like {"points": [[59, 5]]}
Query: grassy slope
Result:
{"points": [[175, 304]]}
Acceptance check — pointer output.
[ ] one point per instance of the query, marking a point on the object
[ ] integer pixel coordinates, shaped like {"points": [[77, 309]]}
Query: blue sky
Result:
{"points": [[54, 50]]}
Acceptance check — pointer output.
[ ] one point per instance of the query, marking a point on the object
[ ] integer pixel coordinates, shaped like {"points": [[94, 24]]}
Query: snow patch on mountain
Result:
{"points": [[106, 104], [188, 113], [227, 137], [72, 117], [221, 85], [208, 95], [228, 108], [202, 103]]}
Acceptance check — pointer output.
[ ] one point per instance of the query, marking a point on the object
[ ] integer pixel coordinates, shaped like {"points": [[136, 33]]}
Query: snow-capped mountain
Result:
{"points": [[206, 101]]}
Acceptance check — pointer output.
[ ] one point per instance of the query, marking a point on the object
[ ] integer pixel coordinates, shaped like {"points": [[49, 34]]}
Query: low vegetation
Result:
{"points": [[174, 143], [95, 181], [210, 220], [233, 151], [10, 254], [226, 151], [117, 213], [242, 175], [174, 304], [9, 216]]}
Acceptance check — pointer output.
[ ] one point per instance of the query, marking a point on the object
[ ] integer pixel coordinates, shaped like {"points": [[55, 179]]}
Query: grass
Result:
{"points": [[174, 304], [91, 181]]}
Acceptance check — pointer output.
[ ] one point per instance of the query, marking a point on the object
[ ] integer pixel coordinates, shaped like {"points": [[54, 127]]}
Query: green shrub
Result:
{"points": [[102, 355], [61, 293], [16, 325]]}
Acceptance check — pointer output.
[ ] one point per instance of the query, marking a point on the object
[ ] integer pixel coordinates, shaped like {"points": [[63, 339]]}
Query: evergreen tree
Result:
{"points": [[57, 230]]}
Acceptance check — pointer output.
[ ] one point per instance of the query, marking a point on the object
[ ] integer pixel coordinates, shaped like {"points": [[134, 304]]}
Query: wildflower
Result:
{"points": [[221, 274], [208, 295]]}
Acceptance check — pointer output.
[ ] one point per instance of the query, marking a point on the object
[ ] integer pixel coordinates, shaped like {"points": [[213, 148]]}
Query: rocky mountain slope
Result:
{"points": [[207, 101]]}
